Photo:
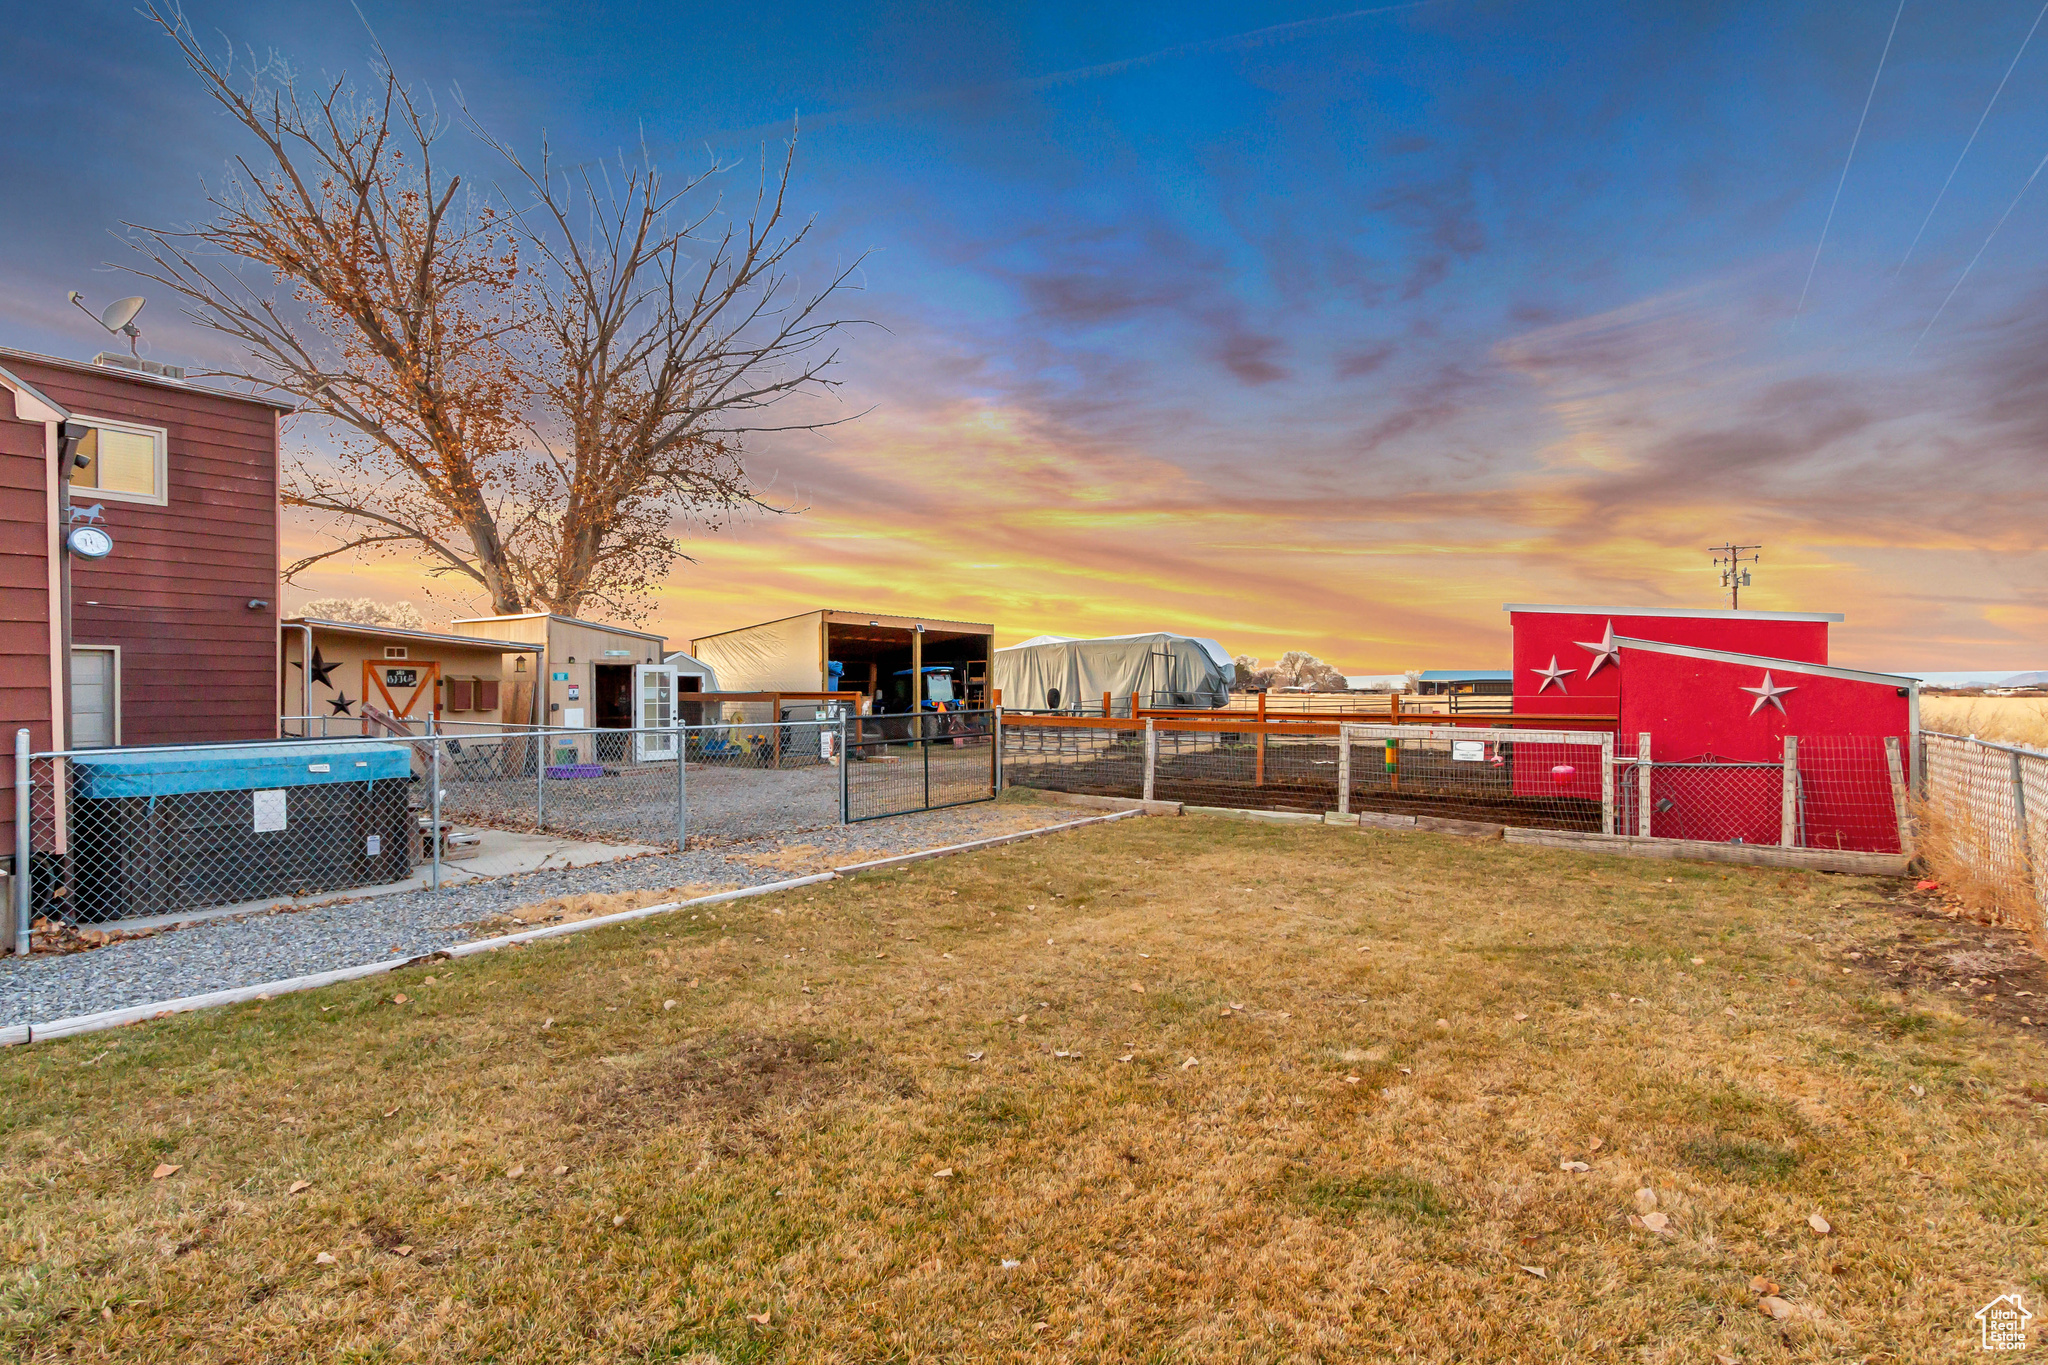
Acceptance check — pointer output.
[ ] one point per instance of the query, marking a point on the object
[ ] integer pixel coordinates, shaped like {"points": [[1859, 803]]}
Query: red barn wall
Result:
{"points": [[1695, 708], [1542, 635]]}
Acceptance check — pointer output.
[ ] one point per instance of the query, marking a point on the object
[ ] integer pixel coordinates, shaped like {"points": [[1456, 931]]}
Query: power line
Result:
{"points": [[1973, 139], [2043, 162], [1848, 159]]}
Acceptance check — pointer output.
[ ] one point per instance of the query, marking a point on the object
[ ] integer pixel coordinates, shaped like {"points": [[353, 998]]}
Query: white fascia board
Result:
{"points": [[1713, 613]]}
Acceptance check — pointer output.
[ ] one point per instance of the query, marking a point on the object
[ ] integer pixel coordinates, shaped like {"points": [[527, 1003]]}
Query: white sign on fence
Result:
{"points": [[268, 810], [1468, 750]]}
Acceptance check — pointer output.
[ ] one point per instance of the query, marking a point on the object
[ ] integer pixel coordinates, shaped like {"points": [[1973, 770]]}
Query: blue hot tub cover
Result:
{"points": [[168, 772]]}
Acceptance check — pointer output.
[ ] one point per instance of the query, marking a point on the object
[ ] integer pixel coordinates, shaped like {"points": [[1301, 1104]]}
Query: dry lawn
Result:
{"points": [[931, 1115]]}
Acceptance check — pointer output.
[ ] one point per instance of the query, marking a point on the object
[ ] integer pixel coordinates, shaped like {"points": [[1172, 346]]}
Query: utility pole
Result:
{"points": [[1729, 559]]}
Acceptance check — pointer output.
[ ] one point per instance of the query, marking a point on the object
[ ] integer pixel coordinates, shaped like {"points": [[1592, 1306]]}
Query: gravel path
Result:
{"points": [[274, 945]]}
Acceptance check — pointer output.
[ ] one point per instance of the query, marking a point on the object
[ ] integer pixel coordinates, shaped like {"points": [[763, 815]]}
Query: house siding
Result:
{"points": [[24, 593], [197, 663]]}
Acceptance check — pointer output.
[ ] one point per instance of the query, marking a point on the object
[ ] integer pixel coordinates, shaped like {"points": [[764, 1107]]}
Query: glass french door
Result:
{"points": [[654, 712]]}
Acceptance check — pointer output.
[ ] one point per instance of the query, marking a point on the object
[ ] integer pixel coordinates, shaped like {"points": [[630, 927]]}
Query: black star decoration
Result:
{"points": [[341, 703], [321, 668]]}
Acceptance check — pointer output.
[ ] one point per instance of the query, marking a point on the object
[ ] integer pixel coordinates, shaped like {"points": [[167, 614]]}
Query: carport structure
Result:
{"points": [[885, 658]]}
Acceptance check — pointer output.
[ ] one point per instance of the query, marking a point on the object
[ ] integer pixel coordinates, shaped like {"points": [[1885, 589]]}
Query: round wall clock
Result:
{"points": [[90, 542]]}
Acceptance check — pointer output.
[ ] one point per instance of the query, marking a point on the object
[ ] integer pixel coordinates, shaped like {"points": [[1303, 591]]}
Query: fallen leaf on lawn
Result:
{"points": [[1927, 886], [1011, 1265], [298, 1185], [618, 1220], [1520, 1016], [1729, 1010], [1818, 1224], [1127, 1056], [547, 1023], [668, 1004], [405, 1250], [1699, 962], [974, 1056], [392, 1110], [1192, 1061], [1443, 1023], [1760, 1286], [1646, 1199], [1538, 1271], [1041, 1327], [1020, 1018], [1723, 1358], [1596, 1144], [324, 1258], [1919, 1091], [1223, 1010], [691, 983], [943, 1173], [165, 1170], [1138, 986], [1573, 1166], [400, 999], [1351, 1080], [1658, 1222], [514, 1172], [758, 1319], [1775, 1307], [561, 1171]]}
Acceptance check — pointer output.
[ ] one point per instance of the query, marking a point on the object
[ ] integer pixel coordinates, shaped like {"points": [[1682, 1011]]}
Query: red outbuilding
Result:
{"points": [[1720, 693]]}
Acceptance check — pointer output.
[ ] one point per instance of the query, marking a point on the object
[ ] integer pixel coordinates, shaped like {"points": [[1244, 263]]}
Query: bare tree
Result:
{"points": [[660, 340], [633, 360]]}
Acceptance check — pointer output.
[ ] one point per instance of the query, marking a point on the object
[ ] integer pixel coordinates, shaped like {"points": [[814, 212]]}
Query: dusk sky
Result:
{"points": [[1287, 325]]}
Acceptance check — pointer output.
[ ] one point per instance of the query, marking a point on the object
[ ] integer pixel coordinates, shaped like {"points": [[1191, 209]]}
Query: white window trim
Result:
{"points": [[158, 435], [114, 706]]}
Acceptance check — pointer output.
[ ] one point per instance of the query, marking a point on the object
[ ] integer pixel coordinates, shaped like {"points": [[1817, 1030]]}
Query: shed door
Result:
{"points": [[654, 712]]}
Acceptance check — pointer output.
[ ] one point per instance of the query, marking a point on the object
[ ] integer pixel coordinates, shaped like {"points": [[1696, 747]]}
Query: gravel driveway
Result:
{"points": [[275, 945]]}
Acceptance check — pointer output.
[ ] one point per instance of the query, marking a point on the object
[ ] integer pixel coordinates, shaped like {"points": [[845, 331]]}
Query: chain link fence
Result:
{"points": [[1983, 814]]}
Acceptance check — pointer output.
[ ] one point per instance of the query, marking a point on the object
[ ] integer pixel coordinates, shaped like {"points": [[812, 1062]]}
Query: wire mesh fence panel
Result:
{"points": [[900, 764], [1704, 800], [1849, 793], [1536, 780], [1067, 754], [1984, 823], [748, 781], [1262, 769]]}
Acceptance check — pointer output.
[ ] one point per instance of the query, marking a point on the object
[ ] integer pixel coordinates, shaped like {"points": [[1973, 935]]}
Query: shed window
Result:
{"points": [[123, 461], [394, 651]]}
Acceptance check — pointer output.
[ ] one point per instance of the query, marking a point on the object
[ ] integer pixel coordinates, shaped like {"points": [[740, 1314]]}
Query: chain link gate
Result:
{"points": [[898, 765]]}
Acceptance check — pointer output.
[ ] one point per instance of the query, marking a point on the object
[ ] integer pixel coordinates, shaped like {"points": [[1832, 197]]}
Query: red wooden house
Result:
{"points": [[138, 557]]}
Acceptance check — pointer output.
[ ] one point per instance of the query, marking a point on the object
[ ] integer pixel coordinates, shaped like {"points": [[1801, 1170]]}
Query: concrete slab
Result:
{"points": [[500, 853]]}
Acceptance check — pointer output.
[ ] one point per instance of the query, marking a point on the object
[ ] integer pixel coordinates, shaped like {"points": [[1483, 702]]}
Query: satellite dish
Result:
{"points": [[120, 313], [119, 317]]}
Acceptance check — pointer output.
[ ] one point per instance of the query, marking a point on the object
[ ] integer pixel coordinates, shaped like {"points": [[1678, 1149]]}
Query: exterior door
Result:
{"points": [[654, 712], [95, 698]]}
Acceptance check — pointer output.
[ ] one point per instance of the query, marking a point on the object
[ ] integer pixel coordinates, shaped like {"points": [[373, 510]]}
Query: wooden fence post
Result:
{"points": [[1644, 810], [1343, 769], [1151, 758], [1788, 796], [1607, 782], [1901, 811], [1259, 778]]}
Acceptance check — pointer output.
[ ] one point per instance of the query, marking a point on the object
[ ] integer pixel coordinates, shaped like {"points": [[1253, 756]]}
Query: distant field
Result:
{"points": [[2010, 720]]}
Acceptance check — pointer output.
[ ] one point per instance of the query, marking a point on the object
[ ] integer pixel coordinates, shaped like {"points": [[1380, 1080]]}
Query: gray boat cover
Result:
{"points": [[1058, 673]]}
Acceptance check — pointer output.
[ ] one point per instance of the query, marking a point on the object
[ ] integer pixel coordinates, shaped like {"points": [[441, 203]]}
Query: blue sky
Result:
{"points": [[1286, 324]]}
